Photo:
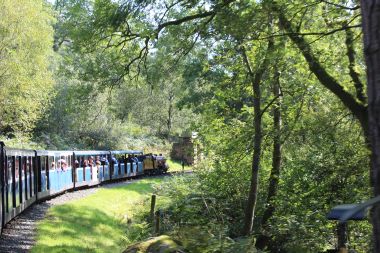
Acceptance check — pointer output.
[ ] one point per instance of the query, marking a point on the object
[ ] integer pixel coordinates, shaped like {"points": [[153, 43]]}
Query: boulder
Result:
{"points": [[160, 244]]}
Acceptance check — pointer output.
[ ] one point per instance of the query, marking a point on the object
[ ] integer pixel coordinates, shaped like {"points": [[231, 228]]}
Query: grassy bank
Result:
{"points": [[97, 223], [175, 165]]}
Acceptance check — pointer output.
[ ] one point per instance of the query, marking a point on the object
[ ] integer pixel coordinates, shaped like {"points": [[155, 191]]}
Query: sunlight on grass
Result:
{"points": [[175, 165], [97, 223]]}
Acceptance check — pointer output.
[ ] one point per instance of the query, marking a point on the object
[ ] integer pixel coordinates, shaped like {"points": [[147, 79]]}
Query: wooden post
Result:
{"points": [[157, 223], [342, 237], [152, 206]]}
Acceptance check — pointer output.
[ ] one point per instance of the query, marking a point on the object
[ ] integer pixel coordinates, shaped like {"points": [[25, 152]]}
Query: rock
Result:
{"points": [[160, 244]]}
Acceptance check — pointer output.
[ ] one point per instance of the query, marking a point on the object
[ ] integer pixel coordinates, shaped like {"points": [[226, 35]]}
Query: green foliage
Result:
{"points": [[196, 217], [325, 167], [25, 48], [96, 104], [21, 141]]}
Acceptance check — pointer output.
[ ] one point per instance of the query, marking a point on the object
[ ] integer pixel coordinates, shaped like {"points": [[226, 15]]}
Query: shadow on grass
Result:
{"points": [[76, 229], [64, 249], [83, 228]]}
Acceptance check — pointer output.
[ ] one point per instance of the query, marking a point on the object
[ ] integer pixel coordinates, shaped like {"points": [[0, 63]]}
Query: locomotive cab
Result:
{"points": [[155, 164]]}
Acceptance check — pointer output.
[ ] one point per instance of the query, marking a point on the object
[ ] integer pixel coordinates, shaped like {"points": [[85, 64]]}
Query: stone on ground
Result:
{"points": [[160, 244]]}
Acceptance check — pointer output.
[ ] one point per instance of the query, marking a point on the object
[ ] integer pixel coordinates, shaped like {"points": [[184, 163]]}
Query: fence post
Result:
{"points": [[157, 223], [152, 206], [342, 237]]}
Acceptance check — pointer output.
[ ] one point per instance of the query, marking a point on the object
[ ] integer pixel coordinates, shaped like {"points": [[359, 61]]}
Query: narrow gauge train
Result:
{"points": [[27, 176]]}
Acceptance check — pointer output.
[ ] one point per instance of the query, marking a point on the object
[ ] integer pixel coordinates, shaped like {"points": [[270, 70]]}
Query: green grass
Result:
{"points": [[97, 223], [175, 165]]}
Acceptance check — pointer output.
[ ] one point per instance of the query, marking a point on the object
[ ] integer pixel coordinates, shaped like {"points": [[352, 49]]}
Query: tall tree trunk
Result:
{"points": [[371, 31], [263, 240], [255, 82]]}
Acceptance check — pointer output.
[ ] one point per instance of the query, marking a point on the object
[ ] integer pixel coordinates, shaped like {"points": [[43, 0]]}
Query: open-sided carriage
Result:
{"points": [[18, 181], [127, 163], [27, 176]]}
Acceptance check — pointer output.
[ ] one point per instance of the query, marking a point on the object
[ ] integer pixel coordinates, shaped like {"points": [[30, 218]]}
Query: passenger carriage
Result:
{"points": [[122, 168], [91, 167], [54, 170], [27, 176], [18, 181]]}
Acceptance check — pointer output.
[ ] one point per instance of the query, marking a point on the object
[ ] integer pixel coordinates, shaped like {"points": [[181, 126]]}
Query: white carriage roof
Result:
{"points": [[54, 152], [91, 152], [19, 152], [115, 152]]}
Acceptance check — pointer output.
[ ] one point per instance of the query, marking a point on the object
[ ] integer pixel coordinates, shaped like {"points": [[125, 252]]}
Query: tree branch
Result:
{"points": [[192, 17], [357, 109], [312, 33], [184, 20], [354, 75], [341, 6], [270, 103]]}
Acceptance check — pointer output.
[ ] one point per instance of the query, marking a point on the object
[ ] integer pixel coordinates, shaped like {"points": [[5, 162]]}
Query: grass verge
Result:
{"points": [[99, 222], [175, 165]]}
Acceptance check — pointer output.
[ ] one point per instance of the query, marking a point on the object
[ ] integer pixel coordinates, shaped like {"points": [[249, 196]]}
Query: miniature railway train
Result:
{"points": [[28, 176]]}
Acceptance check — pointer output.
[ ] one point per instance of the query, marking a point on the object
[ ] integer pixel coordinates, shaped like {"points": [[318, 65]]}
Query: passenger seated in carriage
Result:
{"points": [[91, 161], [76, 164], [141, 158], [62, 165], [136, 160], [98, 163], [114, 160], [130, 160], [84, 163], [104, 160]]}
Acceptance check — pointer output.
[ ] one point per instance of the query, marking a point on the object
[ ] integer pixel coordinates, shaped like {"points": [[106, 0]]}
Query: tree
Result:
{"points": [[274, 178], [371, 30], [26, 37], [255, 78]]}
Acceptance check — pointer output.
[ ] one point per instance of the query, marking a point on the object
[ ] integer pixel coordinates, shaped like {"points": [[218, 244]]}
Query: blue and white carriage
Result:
{"points": [[27, 176]]}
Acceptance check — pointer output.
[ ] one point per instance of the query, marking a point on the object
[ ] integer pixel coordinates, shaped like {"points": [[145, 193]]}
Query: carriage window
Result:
{"points": [[62, 163], [44, 166], [24, 178], [9, 174], [51, 163], [23, 166], [43, 163], [9, 197], [17, 162], [29, 168], [28, 165], [69, 161], [17, 179]]}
